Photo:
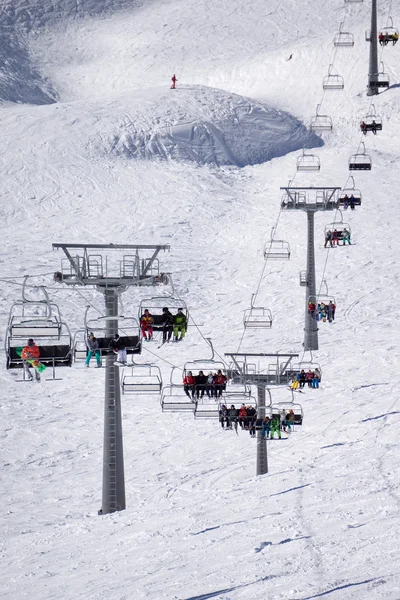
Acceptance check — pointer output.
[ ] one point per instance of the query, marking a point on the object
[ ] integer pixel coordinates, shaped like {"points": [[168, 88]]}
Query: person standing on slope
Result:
{"points": [[174, 80]]}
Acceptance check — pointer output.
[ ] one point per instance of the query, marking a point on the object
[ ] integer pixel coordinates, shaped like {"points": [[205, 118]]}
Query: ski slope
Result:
{"points": [[97, 149]]}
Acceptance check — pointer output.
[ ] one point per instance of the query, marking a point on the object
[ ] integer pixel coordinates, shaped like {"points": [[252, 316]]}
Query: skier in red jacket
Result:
{"points": [[174, 80]]}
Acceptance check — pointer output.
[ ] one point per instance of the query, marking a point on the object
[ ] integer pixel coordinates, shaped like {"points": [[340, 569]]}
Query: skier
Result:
{"points": [[346, 237], [233, 417], [352, 202], [146, 325], [119, 348], [317, 378], [219, 381], [265, 427], [30, 352], [223, 416], [167, 323], [210, 385], [180, 325], [309, 377], [276, 426], [93, 348], [290, 419], [201, 382], [331, 311], [174, 80], [373, 127], [302, 378], [189, 383], [243, 416], [335, 238], [328, 238], [363, 127]]}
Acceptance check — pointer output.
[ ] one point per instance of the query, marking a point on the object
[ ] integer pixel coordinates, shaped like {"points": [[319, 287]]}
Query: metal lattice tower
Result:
{"points": [[93, 265], [373, 89], [310, 200], [278, 373]]}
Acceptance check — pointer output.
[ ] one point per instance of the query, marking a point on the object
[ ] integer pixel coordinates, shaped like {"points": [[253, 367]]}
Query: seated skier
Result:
{"points": [[30, 353], [180, 325]]}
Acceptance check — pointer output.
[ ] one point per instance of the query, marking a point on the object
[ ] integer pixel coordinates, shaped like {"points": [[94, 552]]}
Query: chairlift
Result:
{"points": [[339, 230], [332, 81], [257, 317], [297, 409], [353, 1], [277, 250], [361, 161], [174, 399], [388, 34], [155, 307], [303, 278], [141, 379], [380, 79], [321, 303], [371, 122], [128, 328], [343, 38], [321, 122], [349, 194], [308, 162], [40, 320]]}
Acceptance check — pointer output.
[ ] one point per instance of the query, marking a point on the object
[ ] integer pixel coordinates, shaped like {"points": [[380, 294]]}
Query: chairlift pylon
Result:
{"points": [[343, 38], [308, 162], [321, 122], [332, 81]]}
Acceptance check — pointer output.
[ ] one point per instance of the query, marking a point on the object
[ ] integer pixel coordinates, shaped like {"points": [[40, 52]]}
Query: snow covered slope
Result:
{"points": [[198, 523]]}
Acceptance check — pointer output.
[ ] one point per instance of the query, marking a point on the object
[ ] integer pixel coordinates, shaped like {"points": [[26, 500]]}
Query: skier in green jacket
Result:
{"points": [[180, 325]]}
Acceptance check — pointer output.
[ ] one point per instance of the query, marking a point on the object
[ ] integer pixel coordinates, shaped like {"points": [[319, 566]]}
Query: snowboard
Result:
{"points": [[36, 364]]}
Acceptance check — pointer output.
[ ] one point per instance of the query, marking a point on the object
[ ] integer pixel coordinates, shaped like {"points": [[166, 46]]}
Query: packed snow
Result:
{"points": [[97, 149]]}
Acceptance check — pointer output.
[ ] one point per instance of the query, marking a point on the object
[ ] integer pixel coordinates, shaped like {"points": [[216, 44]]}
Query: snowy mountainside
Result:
{"points": [[199, 524], [207, 126]]}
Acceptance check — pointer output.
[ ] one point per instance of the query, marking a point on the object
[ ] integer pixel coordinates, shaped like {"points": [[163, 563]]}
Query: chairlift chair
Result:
{"points": [[303, 278], [141, 379], [380, 79], [353, 1], [371, 122], [278, 407], [155, 306], [257, 317], [361, 161], [332, 81], [390, 33], [308, 162], [277, 250], [343, 38], [340, 228], [350, 192], [321, 123], [174, 399], [128, 328]]}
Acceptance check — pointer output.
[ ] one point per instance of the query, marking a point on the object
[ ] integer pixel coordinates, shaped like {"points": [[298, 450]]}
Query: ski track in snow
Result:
{"points": [[119, 159]]}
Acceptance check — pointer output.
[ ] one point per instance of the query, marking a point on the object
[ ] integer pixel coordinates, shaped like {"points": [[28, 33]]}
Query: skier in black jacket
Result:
{"points": [[167, 323]]}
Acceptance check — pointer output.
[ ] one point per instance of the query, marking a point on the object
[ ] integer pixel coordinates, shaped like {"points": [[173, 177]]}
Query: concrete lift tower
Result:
{"points": [[111, 269], [373, 87], [310, 200], [274, 373]]}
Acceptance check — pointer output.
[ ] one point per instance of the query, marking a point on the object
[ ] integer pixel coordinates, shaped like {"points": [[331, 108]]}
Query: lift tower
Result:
{"points": [[310, 200], [111, 269], [373, 88], [274, 373]]}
